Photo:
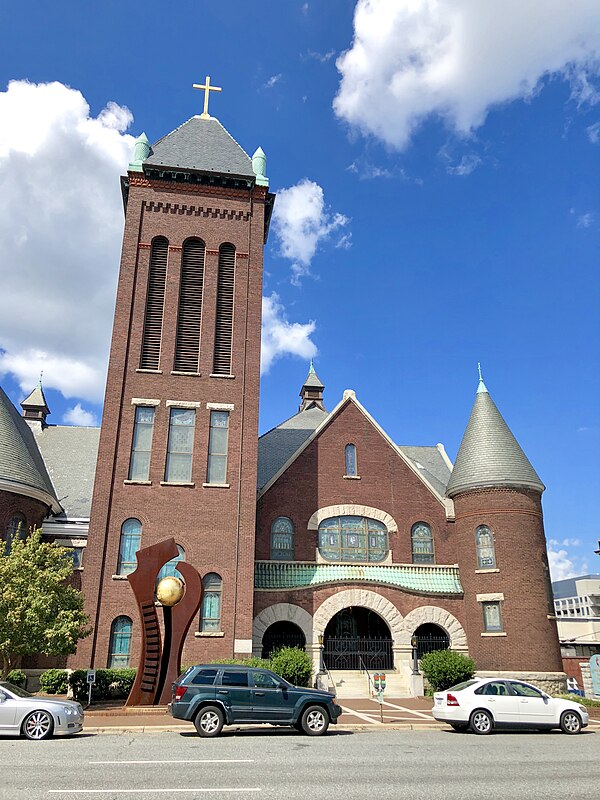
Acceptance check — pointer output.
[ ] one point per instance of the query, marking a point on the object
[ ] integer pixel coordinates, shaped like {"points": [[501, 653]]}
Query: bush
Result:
{"points": [[445, 668], [260, 663], [584, 701], [17, 677], [111, 684], [293, 664], [54, 681]]}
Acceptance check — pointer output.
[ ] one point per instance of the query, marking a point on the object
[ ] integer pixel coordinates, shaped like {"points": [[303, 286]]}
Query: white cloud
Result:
{"points": [[593, 132], [585, 220], [79, 416], [61, 223], [563, 564], [301, 222], [280, 337], [456, 59], [466, 166], [322, 57], [273, 80]]}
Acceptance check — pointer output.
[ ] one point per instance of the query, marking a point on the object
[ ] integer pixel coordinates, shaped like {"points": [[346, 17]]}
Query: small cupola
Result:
{"points": [[311, 393], [35, 408]]}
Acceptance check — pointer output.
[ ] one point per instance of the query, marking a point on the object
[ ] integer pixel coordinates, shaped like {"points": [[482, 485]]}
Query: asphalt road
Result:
{"points": [[281, 764]]}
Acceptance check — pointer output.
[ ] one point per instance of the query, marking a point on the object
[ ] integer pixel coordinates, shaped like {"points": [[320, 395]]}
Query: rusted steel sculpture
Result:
{"points": [[160, 662]]}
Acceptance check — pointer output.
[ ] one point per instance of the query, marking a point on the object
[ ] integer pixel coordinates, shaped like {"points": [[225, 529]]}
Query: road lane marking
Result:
{"points": [[409, 710], [194, 761], [150, 791], [360, 716]]}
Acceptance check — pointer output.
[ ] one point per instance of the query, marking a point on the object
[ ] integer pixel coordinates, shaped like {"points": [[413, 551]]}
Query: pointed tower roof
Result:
{"points": [[312, 391], [489, 455], [203, 145], [22, 469], [36, 400]]}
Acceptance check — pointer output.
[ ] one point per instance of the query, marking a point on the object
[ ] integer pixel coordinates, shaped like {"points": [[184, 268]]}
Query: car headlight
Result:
{"points": [[69, 711], [582, 708]]}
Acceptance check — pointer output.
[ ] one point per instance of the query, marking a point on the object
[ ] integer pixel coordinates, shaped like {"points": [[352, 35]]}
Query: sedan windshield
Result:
{"points": [[16, 690]]}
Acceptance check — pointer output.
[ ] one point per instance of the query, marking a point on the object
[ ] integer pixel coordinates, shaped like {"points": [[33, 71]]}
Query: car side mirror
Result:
{"points": [[2, 697]]}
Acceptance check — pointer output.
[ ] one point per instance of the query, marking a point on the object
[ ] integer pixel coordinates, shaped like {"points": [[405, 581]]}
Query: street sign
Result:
{"points": [[91, 676]]}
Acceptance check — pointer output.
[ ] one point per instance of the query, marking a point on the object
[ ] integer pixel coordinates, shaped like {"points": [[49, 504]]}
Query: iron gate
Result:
{"points": [[376, 654], [427, 644]]}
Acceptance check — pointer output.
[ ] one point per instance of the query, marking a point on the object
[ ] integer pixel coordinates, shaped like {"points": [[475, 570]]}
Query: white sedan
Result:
{"points": [[483, 704], [35, 717]]}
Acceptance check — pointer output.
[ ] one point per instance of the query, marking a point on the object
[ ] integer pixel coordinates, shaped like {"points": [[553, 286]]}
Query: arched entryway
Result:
{"points": [[282, 634], [431, 637], [355, 638]]}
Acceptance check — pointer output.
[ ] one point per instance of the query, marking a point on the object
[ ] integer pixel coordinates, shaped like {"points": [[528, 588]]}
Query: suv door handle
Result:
{"points": [[222, 691], [259, 694]]}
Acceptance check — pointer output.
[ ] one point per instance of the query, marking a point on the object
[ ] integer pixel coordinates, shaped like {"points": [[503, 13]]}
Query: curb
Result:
{"points": [[181, 729]]}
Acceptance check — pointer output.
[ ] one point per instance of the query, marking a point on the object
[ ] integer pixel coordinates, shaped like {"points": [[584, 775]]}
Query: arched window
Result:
{"points": [[224, 317], [187, 348], [131, 536], [170, 568], [422, 544], [484, 542], [282, 539], [351, 468], [155, 301], [119, 647], [16, 526], [352, 539], [210, 613]]}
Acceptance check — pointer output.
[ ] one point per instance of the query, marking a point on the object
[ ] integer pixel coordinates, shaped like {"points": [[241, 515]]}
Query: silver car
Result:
{"points": [[24, 714]]}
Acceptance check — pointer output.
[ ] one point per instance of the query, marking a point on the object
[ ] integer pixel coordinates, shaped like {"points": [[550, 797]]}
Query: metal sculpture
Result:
{"points": [[160, 662]]}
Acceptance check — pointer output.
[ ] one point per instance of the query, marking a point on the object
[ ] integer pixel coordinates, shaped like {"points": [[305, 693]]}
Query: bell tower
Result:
{"points": [[178, 445]]}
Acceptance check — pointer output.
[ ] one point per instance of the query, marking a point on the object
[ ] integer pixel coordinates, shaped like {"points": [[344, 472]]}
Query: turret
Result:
{"points": [[35, 408], [312, 391]]}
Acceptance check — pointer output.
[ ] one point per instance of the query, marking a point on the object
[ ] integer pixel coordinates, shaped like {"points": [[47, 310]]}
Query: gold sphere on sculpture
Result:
{"points": [[170, 591]]}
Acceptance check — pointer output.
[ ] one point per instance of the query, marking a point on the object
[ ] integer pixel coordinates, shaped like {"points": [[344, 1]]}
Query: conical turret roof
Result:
{"points": [[312, 380], [489, 455]]}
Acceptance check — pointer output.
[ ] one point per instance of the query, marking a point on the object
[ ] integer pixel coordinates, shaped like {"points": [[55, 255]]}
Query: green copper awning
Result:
{"points": [[421, 578]]}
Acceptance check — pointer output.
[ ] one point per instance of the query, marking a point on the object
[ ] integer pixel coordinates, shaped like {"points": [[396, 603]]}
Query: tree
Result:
{"points": [[39, 611]]}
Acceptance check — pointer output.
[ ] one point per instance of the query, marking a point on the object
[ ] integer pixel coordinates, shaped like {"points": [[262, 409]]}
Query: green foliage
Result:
{"points": [[54, 681], [39, 611], [260, 663], [111, 684], [445, 668], [584, 701], [293, 664], [17, 677]]}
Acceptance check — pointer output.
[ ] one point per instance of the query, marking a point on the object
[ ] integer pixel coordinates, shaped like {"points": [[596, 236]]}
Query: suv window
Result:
{"points": [[494, 688], [265, 681], [523, 690], [205, 677], [234, 678]]}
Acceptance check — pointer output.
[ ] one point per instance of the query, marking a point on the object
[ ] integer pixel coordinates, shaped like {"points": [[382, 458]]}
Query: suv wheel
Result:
{"points": [[314, 721], [209, 721]]}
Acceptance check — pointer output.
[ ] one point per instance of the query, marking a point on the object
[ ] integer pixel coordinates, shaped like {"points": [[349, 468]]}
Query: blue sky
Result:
{"points": [[437, 206]]}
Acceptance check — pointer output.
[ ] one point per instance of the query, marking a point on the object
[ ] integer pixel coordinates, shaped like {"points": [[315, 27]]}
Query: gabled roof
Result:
{"points": [[70, 453], [279, 444], [22, 469], [35, 399], [326, 419], [489, 455], [201, 144]]}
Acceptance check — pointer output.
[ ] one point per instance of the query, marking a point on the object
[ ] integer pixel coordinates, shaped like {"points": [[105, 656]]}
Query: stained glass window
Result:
{"points": [[217, 447], [484, 541], [119, 647], [143, 427], [210, 613], [170, 568], [282, 539], [181, 445], [353, 539], [351, 468], [422, 544], [131, 536], [492, 619]]}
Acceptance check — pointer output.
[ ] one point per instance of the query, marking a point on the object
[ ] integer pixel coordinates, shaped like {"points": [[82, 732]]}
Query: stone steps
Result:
{"points": [[351, 683]]}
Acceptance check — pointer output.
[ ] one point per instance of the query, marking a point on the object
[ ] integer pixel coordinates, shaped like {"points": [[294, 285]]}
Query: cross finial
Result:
{"points": [[207, 89], [479, 370], [312, 367], [41, 376]]}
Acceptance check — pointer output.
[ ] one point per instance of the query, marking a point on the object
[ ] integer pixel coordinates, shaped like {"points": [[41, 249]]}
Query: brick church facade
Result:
{"points": [[323, 532]]}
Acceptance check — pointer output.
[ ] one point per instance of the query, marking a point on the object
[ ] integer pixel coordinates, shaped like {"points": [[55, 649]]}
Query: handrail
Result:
{"points": [[329, 675], [365, 669]]}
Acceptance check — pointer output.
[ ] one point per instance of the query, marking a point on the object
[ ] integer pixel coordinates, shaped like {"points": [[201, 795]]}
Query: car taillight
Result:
{"points": [[179, 692], [451, 700]]}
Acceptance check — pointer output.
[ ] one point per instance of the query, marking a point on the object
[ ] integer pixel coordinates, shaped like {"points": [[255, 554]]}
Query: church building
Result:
{"points": [[323, 532]]}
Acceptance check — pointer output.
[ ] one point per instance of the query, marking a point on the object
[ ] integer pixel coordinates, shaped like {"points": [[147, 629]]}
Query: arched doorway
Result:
{"points": [[356, 638], [282, 634], [431, 637]]}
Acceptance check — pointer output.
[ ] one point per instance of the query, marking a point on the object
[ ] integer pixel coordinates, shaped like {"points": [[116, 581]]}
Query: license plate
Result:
{"points": [[438, 701]]}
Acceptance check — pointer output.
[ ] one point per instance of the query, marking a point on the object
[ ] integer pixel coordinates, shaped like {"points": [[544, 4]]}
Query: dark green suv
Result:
{"points": [[213, 695]]}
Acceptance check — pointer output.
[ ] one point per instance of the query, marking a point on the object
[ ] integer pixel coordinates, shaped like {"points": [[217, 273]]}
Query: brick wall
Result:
{"points": [[33, 510], [215, 526]]}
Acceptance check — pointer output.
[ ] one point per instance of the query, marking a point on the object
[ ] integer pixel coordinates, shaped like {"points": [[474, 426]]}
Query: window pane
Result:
{"points": [[218, 441], [210, 614], [217, 469], [183, 416], [131, 534], [170, 568], [140, 466], [349, 539], [217, 447], [422, 544], [205, 677], [179, 468], [486, 557], [120, 643], [491, 617], [234, 678], [350, 459]]}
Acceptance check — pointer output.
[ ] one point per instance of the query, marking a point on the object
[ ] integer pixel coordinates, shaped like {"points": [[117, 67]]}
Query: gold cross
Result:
{"points": [[207, 88]]}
